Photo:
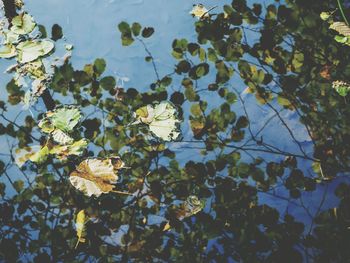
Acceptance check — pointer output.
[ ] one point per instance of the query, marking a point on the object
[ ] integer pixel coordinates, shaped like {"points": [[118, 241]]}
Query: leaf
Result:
{"points": [[99, 66], [62, 152], [61, 137], [56, 32], [63, 118], [96, 176], [11, 37], [161, 120], [341, 39], [341, 28], [200, 11], [7, 51], [31, 50], [22, 24], [190, 207], [342, 87], [40, 156], [136, 28], [325, 15], [80, 222], [166, 227], [125, 29], [147, 32]]}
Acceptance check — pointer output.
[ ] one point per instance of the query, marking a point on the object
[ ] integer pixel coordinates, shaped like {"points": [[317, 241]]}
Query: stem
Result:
{"points": [[342, 12], [119, 192]]}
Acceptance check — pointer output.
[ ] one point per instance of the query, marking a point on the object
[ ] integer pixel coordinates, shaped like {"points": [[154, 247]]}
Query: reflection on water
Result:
{"points": [[259, 173]]}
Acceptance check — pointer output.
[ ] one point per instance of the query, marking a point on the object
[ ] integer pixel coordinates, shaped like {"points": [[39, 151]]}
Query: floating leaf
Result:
{"points": [[199, 11], [11, 37], [7, 51], [19, 4], [325, 15], [341, 28], [62, 152], [161, 120], [63, 118], [34, 69], [22, 24], [31, 50], [80, 222], [40, 156], [68, 47], [342, 87], [166, 227], [96, 176], [190, 207], [61, 137]]}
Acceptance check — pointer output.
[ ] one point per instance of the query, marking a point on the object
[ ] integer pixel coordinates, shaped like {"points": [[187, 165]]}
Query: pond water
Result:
{"points": [[258, 174]]}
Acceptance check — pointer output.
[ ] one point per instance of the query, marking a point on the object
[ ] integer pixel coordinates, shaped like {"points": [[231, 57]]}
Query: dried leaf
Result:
{"points": [[190, 207], [96, 176], [161, 120], [341, 28]]}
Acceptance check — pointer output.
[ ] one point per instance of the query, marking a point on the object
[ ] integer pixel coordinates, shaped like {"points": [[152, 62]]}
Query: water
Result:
{"points": [[216, 234]]}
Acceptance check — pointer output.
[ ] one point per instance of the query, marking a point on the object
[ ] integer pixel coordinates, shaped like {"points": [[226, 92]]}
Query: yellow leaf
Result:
{"points": [[166, 227], [80, 222]]}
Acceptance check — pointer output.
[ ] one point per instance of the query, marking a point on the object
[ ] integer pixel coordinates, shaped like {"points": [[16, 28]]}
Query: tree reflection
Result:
{"points": [[231, 165]]}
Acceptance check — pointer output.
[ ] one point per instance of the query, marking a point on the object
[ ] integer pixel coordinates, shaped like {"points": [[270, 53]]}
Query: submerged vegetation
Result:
{"points": [[182, 174]]}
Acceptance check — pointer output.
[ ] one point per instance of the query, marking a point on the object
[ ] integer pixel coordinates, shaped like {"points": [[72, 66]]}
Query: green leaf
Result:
{"points": [[40, 156], [108, 83], [99, 66], [136, 29], [125, 29], [63, 118], [22, 24], [31, 50], [341, 39], [7, 51]]}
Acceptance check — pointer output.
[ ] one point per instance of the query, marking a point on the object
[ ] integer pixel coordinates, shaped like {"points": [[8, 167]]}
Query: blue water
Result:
{"points": [[91, 26]]}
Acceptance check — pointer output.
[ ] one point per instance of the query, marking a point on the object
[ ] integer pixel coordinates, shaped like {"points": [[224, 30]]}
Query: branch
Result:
{"points": [[10, 9]]}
